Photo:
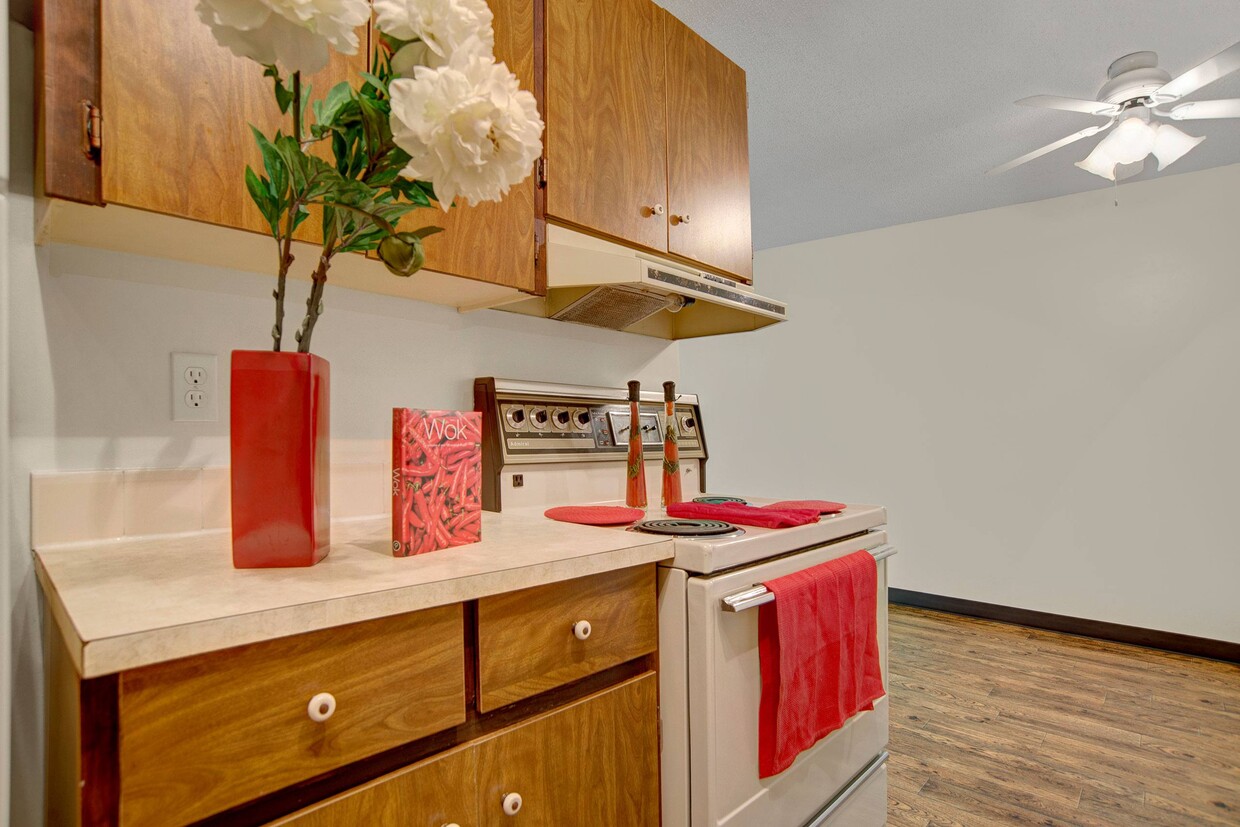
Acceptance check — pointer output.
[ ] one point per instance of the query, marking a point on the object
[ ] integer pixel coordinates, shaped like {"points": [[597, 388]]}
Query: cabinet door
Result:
{"points": [[176, 111], [492, 242], [606, 122], [708, 155], [433, 793], [592, 762], [209, 732]]}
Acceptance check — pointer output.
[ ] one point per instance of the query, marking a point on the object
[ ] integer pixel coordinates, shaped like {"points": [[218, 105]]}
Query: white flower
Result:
{"points": [[469, 128], [444, 27], [294, 33]]}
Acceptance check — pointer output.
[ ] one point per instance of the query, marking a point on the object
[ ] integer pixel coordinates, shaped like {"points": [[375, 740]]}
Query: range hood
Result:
{"points": [[599, 283]]}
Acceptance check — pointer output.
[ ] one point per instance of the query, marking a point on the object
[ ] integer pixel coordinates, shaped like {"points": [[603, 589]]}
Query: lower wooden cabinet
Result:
{"points": [[592, 762], [381, 722], [206, 733], [436, 792]]}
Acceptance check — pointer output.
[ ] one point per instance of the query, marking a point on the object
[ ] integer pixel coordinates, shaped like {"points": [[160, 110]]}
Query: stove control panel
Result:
{"points": [[553, 426]]}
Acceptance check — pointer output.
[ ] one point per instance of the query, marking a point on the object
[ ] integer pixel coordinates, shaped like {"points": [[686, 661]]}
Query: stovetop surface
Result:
{"points": [[708, 554]]}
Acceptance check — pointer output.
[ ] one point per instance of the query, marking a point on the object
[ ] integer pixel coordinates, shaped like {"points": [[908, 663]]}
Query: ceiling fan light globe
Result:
{"points": [[1170, 145], [1099, 162], [1131, 141]]}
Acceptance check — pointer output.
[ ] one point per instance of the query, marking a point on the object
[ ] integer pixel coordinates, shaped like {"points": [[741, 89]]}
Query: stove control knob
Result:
{"points": [[561, 417], [512, 804], [583, 419], [540, 417], [688, 423], [582, 629]]}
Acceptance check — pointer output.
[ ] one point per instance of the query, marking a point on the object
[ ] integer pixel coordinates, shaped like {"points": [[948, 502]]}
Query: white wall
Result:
{"points": [[1046, 396], [90, 349], [5, 592]]}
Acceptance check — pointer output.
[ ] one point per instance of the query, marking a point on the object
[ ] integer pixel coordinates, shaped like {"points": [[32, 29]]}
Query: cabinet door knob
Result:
{"points": [[453, 824], [582, 629], [321, 707], [680, 219], [512, 804], [657, 209]]}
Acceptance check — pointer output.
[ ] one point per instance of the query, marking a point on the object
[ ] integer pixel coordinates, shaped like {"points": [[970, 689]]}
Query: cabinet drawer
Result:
{"points": [[432, 793], [205, 733], [528, 641], [594, 762]]}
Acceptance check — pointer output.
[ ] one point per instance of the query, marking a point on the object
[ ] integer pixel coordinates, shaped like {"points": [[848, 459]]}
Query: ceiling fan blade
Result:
{"points": [[1038, 153], [1102, 108], [1201, 110], [1223, 63]]}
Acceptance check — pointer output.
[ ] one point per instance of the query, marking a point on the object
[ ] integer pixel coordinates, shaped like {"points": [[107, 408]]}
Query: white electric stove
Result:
{"points": [[550, 444]]}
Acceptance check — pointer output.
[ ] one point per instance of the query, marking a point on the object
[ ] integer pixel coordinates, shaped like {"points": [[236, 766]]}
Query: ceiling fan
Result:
{"points": [[1136, 91]]}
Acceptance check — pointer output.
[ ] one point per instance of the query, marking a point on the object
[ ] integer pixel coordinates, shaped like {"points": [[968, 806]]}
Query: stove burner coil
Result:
{"points": [[720, 500], [686, 528]]}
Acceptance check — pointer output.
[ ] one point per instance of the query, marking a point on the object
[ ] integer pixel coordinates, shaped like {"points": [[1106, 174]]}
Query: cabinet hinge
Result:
{"points": [[541, 172], [92, 130]]}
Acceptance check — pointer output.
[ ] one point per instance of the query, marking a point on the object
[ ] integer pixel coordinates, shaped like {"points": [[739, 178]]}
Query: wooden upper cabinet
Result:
{"points": [[492, 241], [606, 118], [176, 113], [647, 133], [707, 154]]}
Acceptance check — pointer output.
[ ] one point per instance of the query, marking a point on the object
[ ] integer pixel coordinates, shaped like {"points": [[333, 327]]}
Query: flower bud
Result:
{"points": [[402, 254]]}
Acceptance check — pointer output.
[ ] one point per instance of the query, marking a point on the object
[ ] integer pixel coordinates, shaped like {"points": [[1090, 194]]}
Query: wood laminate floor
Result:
{"points": [[997, 724]]}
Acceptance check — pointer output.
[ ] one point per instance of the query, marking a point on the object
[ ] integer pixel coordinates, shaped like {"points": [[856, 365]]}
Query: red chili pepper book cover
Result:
{"points": [[436, 480]]}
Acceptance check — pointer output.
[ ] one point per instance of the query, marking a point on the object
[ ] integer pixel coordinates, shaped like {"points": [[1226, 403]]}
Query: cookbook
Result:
{"points": [[436, 480]]}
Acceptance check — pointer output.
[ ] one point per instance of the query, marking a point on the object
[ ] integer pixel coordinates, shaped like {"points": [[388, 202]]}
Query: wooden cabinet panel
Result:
{"points": [[177, 108], [606, 122], [707, 154], [526, 639], [202, 734], [593, 762], [432, 793], [492, 241]]}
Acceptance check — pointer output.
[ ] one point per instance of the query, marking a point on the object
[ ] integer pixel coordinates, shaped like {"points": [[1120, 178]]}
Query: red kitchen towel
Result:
{"points": [[818, 649], [744, 514]]}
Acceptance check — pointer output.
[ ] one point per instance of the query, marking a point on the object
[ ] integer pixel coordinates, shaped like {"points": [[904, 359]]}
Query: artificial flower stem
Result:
{"points": [[314, 304], [286, 244]]}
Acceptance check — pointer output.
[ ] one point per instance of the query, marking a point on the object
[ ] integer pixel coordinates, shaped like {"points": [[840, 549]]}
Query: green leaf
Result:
{"points": [[258, 192], [273, 163], [306, 91], [374, 81], [339, 95], [427, 231], [375, 127]]}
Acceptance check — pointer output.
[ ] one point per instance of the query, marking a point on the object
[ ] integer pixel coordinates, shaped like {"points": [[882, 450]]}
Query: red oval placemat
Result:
{"points": [[595, 514], [823, 506]]}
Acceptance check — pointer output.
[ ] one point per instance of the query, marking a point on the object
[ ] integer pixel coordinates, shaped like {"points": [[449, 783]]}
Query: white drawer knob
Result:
{"points": [[453, 824], [321, 707], [512, 804], [582, 629]]}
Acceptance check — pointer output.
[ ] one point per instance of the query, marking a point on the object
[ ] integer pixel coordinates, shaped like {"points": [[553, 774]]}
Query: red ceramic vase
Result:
{"points": [[281, 507]]}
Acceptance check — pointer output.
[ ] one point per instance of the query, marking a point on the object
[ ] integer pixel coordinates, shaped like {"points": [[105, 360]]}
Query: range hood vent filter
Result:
{"points": [[613, 306]]}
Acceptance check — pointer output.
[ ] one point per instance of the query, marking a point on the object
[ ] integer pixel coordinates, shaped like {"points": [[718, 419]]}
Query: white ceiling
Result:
{"points": [[869, 113]]}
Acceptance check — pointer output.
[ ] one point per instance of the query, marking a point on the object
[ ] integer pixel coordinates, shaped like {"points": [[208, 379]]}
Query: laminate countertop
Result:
{"points": [[131, 602]]}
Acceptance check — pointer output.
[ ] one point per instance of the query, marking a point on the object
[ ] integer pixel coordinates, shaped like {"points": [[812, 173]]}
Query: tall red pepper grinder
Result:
{"points": [[671, 450], [635, 487]]}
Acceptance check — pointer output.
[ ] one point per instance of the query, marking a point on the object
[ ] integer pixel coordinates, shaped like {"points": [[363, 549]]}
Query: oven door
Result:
{"points": [[724, 690]]}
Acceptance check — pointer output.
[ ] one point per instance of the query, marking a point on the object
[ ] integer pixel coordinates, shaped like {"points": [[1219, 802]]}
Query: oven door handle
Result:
{"points": [[757, 595]]}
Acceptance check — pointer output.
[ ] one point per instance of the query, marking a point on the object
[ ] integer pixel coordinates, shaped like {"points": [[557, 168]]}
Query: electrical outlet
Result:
{"points": [[194, 396]]}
